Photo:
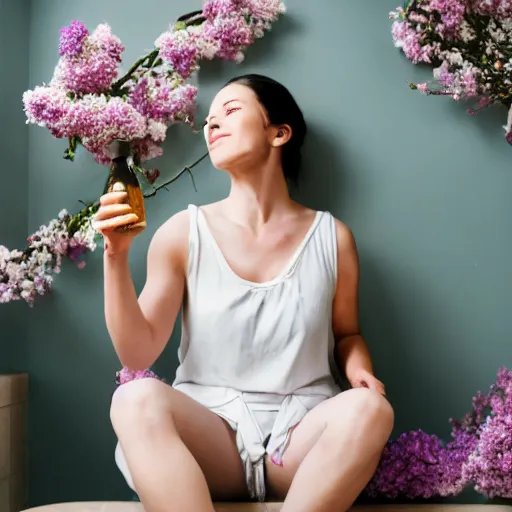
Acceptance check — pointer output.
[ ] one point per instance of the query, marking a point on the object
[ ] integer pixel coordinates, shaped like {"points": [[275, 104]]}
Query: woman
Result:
{"points": [[269, 290]]}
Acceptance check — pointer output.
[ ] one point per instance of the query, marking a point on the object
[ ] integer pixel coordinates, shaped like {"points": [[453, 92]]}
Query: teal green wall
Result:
{"points": [[424, 187], [14, 47]]}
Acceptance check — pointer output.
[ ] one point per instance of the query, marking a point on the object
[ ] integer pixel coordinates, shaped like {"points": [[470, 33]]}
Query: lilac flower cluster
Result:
{"points": [[420, 465], [229, 27], [85, 104], [489, 466], [126, 375], [465, 42], [26, 274], [88, 63]]}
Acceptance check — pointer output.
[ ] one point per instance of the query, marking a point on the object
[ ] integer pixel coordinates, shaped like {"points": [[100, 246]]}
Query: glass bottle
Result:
{"points": [[122, 178]]}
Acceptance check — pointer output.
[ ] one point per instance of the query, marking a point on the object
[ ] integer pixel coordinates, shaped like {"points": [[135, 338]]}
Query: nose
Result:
{"points": [[213, 124]]}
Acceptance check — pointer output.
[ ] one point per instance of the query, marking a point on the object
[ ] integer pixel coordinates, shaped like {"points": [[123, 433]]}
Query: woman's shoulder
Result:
{"points": [[173, 234], [344, 236]]}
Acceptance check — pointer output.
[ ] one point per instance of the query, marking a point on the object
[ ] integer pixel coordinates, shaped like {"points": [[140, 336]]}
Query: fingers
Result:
{"points": [[378, 386], [373, 384], [115, 222], [114, 212], [113, 197]]}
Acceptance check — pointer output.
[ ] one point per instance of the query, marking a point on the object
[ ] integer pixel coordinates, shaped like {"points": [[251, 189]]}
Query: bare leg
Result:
{"points": [[333, 453], [179, 453]]}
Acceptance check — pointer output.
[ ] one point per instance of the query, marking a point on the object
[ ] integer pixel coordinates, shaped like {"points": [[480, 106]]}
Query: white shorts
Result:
{"points": [[263, 424]]}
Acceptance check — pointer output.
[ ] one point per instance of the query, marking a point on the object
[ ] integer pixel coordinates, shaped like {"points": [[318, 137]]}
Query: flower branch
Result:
{"points": [[89, 105], [468, 44]]}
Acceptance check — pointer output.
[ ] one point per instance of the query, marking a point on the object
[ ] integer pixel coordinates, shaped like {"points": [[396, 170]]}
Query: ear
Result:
{"points": [[281, 135]]}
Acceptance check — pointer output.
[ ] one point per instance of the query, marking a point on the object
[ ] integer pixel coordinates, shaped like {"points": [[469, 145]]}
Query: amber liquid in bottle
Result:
{"points": [[122, 178]]}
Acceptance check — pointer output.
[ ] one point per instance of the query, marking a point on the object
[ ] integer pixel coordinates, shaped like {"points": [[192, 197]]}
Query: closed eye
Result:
{"points": [[231, 110]]}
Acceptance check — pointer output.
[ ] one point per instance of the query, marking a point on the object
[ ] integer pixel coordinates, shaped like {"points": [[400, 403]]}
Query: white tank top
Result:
{"points": [[274, 337]]}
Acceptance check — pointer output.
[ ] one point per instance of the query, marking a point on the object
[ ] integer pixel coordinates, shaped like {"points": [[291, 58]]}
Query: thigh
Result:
{"points": [[208, 437], [303, 437], [212, 442], [347, 413]]}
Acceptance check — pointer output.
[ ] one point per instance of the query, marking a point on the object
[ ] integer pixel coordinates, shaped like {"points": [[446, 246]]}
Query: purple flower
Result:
{"points": [[72, 39], [451, 11], [49, 107], [162, 100], [265, 10], [25, 275], [126, 375], [490, 467], [111, 119], [93, 69], [231, 34], [151, 175], [147, 149], [180, 50], [419, 465], [495, 8], [409, 40]]}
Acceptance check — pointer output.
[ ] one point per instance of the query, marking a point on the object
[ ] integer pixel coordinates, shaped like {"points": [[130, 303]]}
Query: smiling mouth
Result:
{"points": [[215, 139]]}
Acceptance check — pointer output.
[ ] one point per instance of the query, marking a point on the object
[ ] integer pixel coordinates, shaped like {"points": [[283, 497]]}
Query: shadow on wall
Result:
{"points": [[384, 290]]}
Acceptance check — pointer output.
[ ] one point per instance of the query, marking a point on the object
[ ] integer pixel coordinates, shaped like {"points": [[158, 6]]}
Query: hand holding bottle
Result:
{"points": [[113, 219]]}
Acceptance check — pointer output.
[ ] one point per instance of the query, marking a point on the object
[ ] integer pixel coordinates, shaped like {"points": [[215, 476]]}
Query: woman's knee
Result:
{"points": [[142, 402], [370, 410]]}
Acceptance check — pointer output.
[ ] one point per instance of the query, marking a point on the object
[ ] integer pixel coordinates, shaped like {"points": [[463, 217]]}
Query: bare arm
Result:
{"points": [[140, 328], [353, 356]]}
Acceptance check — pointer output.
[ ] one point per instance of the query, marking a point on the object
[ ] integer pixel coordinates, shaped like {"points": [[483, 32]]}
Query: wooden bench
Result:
{"points": [[267, 507]]}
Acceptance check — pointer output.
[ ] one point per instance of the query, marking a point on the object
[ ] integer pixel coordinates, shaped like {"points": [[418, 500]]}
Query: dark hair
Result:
{"points": [[281, 108]]}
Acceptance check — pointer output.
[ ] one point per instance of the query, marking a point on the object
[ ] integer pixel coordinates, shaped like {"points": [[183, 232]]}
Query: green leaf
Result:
{"points": [[69, 154]]}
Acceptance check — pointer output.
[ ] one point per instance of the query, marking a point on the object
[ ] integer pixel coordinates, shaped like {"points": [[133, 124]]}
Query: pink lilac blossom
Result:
{"points": [[180, 49], [72, 39], [48, 107], [452, 13], [126, 375], [466, 43], [230, 26], [82, 102], [508, 126], [94, 68], [147, 149], [265, 11], [151, 175], [496, 8], [408, 39], [231, 32], [157, 98], [115, 119], [25, 275]]}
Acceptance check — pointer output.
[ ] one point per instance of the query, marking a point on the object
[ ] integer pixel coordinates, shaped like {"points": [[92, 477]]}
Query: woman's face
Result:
{"points": [[237, 130]]}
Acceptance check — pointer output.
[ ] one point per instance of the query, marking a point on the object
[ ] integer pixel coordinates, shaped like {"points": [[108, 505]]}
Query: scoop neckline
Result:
{"points": [[281, 275]]}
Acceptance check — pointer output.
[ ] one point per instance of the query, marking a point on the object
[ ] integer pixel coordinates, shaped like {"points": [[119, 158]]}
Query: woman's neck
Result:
{"points": [[256, 197]]}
